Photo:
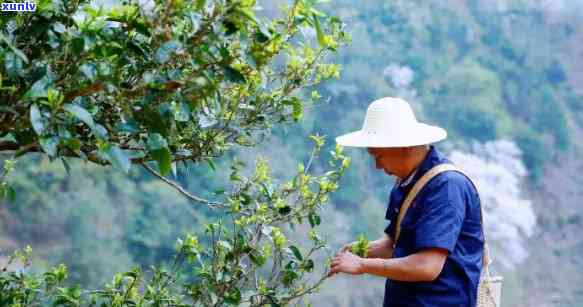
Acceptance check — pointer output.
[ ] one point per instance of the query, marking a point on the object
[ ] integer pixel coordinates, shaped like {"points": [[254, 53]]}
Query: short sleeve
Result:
{"points": [[390, 229], [440, 211]]}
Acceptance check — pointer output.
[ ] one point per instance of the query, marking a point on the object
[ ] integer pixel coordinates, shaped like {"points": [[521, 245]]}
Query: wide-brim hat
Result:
{"points": [[390, 122]]}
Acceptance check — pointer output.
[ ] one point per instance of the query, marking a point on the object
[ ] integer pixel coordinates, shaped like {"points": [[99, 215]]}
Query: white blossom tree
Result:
{"points": [[497, 170]]}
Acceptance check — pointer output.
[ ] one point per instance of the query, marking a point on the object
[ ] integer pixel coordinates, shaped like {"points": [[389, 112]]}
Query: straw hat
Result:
{"points": [[390, 122]]}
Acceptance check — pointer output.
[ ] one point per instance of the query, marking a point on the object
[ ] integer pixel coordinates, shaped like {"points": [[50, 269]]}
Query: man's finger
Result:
{"points": [[334, 270]]}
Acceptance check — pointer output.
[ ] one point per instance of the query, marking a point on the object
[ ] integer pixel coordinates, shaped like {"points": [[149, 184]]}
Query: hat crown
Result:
{"points": [[389, 114], [390, 122]]}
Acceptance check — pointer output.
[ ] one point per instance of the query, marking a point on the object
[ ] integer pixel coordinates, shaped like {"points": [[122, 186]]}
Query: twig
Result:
{"points": [[86, 91], [311, 289], [181, 190], [312, 156]]}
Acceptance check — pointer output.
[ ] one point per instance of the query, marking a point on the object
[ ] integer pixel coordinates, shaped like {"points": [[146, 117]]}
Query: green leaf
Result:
{"points": [[118, 158], [78, 45], [11, 193], [140, 27], [89, 42], [224, 245], [288, 277], [40, 88], [233, 297], [234, 75], [296, 252], [257, 258], [80, 113], [13, 64], [297, 111], [314, 220], [211, 165], [54, 97], [7, 192], [164, 159], [36, 120], [261, 36], [59, 27], [100, 131], [66, 166], [73, 144], [231, 28], [309, 266], [14, 49], [128, 126], [8, 138], [165, 51], [273, 302], [156, 141], [248, 13], [137, 49], [285, 210], [132, 274], [49, 145], [89, 70], [206, 121], [53, 40], [319, 33], [174, 169], [182, 112], [360, 248], [200, 4]]}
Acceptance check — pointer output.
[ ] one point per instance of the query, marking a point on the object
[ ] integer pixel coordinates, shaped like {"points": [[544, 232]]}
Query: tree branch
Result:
{"points": [[86, 91], [6, 146], [181, 190]]}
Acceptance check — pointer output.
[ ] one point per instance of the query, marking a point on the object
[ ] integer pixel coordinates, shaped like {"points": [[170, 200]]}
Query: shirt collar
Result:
{"points": [[407, 181], [432, 158]]}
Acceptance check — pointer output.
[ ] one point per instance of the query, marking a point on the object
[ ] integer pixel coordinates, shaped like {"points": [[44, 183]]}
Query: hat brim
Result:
{"points": [[421, 134]]}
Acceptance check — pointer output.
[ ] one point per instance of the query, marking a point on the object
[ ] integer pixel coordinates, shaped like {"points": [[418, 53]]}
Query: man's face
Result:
{"points": [[387, 159]]}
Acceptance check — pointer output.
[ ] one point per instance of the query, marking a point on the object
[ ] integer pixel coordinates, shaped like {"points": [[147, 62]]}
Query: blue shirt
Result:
{"points": [[445, 214]]}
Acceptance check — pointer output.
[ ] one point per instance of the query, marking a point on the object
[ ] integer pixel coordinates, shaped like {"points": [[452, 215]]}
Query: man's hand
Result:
{"points": [[346, 262]]}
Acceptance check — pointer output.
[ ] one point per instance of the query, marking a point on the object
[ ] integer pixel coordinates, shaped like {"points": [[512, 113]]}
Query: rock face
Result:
{"points": [[552, 274]]}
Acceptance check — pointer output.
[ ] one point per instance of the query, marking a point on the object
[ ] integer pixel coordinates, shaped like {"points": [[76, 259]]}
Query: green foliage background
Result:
{"points": [[481, 72]]}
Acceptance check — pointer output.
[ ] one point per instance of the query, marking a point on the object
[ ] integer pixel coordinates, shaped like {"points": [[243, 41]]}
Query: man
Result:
{"points": [[437, 258]]}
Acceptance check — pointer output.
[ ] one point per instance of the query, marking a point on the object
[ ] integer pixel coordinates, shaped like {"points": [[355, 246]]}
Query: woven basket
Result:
{"points": [[489, 291]]}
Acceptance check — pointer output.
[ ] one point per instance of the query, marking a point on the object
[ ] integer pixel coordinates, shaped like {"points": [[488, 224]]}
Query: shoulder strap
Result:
{"points": [[418, 186]]}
